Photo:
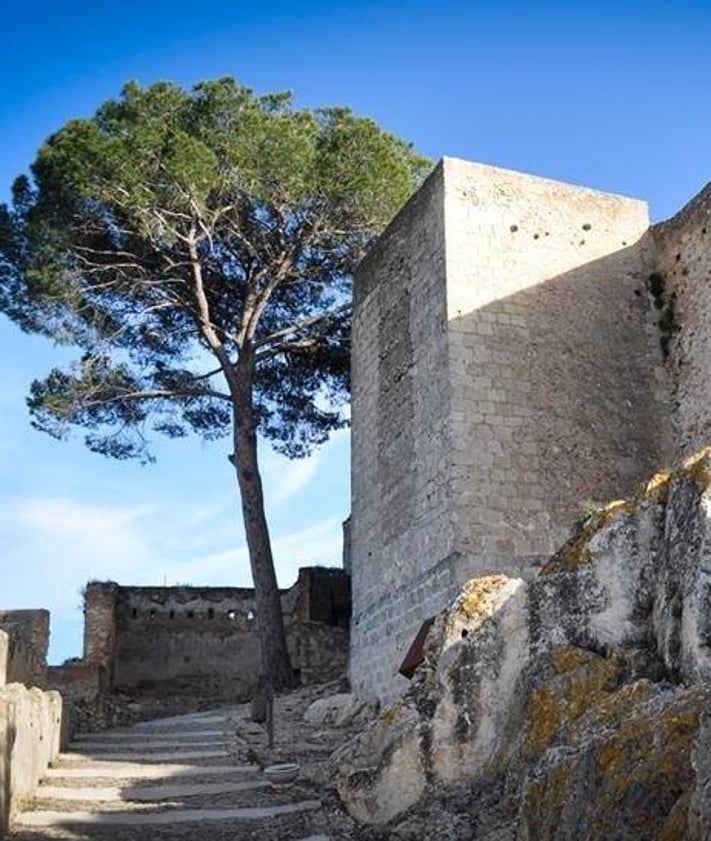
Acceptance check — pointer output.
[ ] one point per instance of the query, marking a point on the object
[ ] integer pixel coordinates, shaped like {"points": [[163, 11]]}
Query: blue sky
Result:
{"points": [[614, 95]]}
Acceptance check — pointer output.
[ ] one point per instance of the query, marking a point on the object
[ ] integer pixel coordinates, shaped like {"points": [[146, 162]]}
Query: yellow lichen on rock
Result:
{"points": [[659, 480], [580, 679], [480, 598], [634, 767], [610, 709], [478, 601], [650, 753]]}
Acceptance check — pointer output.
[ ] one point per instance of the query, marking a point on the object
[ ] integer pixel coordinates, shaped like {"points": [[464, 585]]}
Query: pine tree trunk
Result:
{"points": [[276, 664]]}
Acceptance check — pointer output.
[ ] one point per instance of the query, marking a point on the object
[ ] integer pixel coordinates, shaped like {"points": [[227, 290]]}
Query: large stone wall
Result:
{"points": [[400, 420], [682, 287], [30, 737], [505, 370], [557, 384], [28, 631], [204, 641]]}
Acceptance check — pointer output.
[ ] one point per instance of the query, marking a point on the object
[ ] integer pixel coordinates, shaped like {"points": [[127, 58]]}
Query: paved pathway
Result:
{"points": [[180, 778]]}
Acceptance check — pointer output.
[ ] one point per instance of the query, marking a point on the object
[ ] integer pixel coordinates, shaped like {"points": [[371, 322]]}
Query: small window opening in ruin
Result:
{"points": [[152, 614], [232, 614], [134, 614], [172, 614], [465, 633], [190, 614], [211, 613], [251, 615]]}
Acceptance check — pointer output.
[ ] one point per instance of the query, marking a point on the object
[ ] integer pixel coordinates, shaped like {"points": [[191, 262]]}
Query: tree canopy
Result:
{"points": [[198, 246], [278, 205]]}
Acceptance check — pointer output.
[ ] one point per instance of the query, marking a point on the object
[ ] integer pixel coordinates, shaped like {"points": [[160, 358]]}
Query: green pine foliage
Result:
{"points": [[177, 231]]}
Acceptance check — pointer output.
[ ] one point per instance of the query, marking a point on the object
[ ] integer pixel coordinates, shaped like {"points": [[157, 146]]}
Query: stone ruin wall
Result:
{"points": [[507, 368], [203, 641], [31, 720], [28, 632], [180, 636]]}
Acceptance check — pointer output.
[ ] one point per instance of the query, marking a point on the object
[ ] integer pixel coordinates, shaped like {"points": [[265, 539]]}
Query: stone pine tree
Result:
{"points": [[197, 247]]}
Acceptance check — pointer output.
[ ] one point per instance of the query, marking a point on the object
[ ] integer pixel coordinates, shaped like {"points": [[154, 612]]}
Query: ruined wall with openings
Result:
{"points": [[681, 287], [204, 641], [506, 368], [28, 633]]}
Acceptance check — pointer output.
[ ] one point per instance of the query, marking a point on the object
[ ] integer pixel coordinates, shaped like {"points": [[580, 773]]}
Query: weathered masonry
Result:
{"points": [[203, 641], [520, 346], [28, 632], [31, 721]]}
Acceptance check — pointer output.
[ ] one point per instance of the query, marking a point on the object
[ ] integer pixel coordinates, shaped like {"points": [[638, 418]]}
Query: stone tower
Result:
{"points": [[506, 368]]}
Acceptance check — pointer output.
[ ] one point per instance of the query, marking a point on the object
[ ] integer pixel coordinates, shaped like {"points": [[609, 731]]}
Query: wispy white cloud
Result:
{"points": [[318, 544], [52, 545], [285, 478]]}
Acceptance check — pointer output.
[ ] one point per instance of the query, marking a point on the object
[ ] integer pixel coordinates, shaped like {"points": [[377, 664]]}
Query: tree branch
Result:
{"points": [[159, 393], [207, 328], [301, 325]]}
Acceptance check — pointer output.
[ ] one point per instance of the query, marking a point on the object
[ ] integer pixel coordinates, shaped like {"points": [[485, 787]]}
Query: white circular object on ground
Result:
{"points": [[286, 772]]}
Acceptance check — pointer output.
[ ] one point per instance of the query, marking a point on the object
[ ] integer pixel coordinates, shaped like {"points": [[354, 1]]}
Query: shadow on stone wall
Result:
{"points": [[567, 403]]}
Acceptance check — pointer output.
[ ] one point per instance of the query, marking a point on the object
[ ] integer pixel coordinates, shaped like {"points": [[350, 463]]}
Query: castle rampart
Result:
{"points": [[204, 641], [506, 368]]}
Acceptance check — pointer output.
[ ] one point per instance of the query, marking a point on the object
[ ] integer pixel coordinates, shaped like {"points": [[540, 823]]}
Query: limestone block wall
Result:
{"points": [[319, 651], [400, 422], [682, 289], [28, 632], [557, 386], [506, 369], [30, 738]]}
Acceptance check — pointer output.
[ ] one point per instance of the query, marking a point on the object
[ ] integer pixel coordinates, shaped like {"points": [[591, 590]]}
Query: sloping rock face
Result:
{"points": [[570, 707]]}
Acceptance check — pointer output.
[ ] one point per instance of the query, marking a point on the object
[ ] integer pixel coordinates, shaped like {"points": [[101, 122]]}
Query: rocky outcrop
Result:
{"points": [[344, 709], [573, 706]]}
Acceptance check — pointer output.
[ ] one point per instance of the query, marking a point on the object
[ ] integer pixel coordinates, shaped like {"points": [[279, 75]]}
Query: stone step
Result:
{"points": [[120, 736], [171, 817], [146, 744], [135, 771], [198, 719], [144, 794], [136, 756]]}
